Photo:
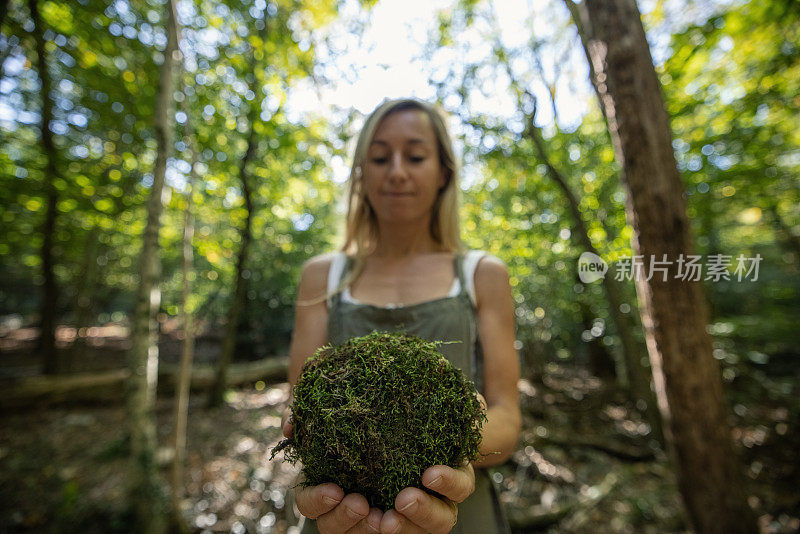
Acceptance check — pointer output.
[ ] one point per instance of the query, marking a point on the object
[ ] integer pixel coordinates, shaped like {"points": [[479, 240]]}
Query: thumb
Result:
{"points": [[286, 424], [482, 400]]}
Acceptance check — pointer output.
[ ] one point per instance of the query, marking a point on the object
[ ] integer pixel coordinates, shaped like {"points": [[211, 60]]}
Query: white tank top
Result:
{"points": [[471, 259]]}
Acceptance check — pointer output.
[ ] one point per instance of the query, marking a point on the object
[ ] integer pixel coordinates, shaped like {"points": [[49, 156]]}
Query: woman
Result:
{"points": [[402, 265]]}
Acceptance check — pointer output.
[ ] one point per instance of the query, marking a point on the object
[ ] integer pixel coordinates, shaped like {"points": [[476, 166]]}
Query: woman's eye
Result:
{"points": [[417, 159], [379, 161]]}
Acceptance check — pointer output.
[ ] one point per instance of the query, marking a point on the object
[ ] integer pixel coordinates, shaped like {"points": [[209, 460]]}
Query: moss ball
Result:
{"points": [[372, 414]]}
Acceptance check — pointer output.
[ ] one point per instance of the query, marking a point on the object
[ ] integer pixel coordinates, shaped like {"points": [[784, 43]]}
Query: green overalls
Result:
{"points": [[443, 319]]}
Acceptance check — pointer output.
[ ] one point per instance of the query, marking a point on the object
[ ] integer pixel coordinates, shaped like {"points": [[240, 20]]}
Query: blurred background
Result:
{"points": [[247, 112]]}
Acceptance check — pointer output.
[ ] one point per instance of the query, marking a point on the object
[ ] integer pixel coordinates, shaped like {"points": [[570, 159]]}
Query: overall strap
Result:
{"points": [[458, 267], [335, 272], [469, 265]]}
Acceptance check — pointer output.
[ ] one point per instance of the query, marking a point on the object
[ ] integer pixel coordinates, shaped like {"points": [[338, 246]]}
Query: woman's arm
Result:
{"points": [[500, 362], [311, 314]]}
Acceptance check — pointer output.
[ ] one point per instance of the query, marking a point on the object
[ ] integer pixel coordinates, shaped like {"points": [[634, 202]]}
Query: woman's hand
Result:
{"points": [[418, 512], [337, 513], [334, 511], [415, 511]]}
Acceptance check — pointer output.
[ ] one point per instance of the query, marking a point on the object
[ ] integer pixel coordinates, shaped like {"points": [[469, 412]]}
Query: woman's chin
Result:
{"points": [[405, 217]]}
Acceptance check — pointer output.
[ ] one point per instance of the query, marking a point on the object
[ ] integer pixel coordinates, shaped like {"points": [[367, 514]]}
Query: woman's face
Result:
{"points": [[402, 172]]}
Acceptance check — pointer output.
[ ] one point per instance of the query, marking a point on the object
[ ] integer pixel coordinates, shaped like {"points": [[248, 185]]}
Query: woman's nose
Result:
{"points": [[396, 168]]}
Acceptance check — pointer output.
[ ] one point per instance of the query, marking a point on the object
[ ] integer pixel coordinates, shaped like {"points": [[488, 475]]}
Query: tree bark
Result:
{"points": [[187, 355], [147, 493], [674, 311], [47, 336]]}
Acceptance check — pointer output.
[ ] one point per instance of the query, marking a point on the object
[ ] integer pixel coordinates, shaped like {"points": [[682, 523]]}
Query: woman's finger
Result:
{"points": [[370, 524], [314, 501], [344, 516], [427, 512], [394, 522], [455, 484]]}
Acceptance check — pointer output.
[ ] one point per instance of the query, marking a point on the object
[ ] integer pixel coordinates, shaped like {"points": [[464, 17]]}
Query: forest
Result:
{"points": [[167, 167]]}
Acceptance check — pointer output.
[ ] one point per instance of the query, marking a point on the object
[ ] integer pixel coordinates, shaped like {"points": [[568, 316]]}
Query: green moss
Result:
{"points": [[372, 414]]}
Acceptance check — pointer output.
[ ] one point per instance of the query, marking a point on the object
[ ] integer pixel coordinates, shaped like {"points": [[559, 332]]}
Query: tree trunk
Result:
{"points": [[601, 362], [147, 493], [674, 311], [238, 303], [187, 355], [630, 372], [83, 301], [47, 336]]}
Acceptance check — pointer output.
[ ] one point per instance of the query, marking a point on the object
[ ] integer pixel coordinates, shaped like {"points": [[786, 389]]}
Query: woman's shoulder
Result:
{"points": [[320, 262], [491, 278], [314, 274], [490, 268]]}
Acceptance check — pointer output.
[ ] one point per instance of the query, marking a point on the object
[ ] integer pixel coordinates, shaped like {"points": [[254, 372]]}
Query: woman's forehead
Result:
{"points": [[411, 126]]}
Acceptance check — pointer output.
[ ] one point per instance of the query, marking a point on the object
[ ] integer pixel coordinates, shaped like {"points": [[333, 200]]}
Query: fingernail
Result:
{"points": [[372, 527], [409, 507], [353, 514], [329, 500], [436, 482]]}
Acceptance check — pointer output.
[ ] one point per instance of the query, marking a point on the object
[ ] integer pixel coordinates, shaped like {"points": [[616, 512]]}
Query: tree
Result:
{"points": [[187, 353], [238, 300], [674, 311], [47, 338], [146, 489]]}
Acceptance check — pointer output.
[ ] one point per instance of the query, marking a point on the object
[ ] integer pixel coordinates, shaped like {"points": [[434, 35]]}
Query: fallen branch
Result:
{"points": [[538, 516], [618, 450], [108, 386]]}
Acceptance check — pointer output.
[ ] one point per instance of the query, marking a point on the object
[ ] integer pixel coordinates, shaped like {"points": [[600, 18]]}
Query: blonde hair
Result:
{"points": [[361, 230]]}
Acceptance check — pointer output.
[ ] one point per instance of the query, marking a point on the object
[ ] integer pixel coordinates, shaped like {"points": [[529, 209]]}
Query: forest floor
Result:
{"points": [[584, 461]]}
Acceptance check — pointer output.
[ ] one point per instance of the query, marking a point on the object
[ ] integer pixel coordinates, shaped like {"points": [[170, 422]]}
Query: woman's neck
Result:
{"points": [[396, 243]]}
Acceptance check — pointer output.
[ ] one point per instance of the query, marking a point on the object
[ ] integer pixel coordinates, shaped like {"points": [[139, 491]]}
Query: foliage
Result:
{"points": [[372, 414], [104, 76]]}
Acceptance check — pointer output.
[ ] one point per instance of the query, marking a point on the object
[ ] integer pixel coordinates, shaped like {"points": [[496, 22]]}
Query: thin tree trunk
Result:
{"points": [[584, 36], [631, 372], [601, 362], [674, 311], [147, 493], [238, 303], [47, 336], [187, 355], [83, 301]]}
